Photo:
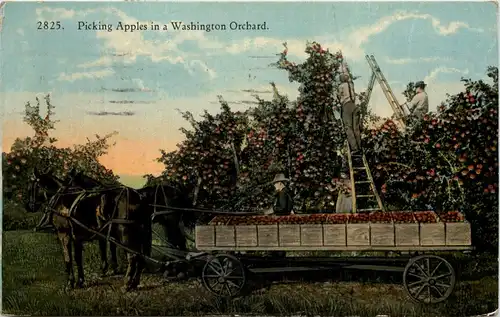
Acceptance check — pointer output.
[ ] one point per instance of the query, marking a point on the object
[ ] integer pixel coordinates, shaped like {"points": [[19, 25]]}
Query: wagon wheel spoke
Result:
{"points": [[429, 296], [416, 283], [421, 269], [428, 268], [436, 268], [437, 290], [443, 285], [442, 276], [233, 284], [214, 269], [228, 289], [415, 275], [420, 290]]}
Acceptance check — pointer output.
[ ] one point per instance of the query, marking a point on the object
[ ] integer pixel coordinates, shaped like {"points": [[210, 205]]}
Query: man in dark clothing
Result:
{"points": [[284, 202]]}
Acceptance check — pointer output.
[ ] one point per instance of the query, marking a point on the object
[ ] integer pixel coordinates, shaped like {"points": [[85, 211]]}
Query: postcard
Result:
{"points": [[253, 158]]}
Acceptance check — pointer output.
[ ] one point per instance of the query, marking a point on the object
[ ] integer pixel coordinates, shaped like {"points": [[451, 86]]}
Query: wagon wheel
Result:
{"points": [[224, 275], [429, 279]]}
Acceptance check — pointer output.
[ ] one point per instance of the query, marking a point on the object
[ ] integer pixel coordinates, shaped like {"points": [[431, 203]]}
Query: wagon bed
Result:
{"points": [[254, 235]]}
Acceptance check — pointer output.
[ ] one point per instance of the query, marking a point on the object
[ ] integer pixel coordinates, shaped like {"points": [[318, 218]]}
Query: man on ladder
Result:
{"points": [[350, 112], [419, 104], [358, 165]]}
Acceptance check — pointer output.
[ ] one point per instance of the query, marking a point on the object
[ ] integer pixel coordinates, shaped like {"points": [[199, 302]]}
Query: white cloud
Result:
{"points": [[140, 84], [198, 64], [85, 75], [102, 61], [57, 12], [403, 61], [435, 72]]}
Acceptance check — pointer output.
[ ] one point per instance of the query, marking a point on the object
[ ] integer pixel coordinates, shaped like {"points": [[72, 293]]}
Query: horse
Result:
{"points": [[77, 216], [173, 210]]}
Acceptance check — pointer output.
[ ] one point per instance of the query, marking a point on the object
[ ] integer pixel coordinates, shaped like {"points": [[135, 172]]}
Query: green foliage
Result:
{"points": [[40, 151]]}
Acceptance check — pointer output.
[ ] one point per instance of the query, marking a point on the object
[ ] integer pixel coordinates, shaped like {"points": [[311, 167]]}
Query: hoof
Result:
{"points": [[70, 286], [79, 284], [167, 274], [129, 288]]}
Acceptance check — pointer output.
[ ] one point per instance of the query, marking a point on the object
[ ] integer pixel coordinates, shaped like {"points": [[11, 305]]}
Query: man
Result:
{"points": [[350, 112], [419, 105], [284, 202]]}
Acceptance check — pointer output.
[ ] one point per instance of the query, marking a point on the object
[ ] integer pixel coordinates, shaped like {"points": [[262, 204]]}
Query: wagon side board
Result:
{"points": [[407, 234], [458, 233], [358, 234], [334, 235], [347, 237], [382, 234], [432, 234]]}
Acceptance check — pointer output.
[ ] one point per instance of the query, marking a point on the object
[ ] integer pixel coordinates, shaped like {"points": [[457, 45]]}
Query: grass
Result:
{"points": [[33, 280], [15, 217]]}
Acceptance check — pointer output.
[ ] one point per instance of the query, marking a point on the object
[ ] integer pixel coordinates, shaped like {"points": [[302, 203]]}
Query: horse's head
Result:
{"points": [[78, 179], [40, 188]]}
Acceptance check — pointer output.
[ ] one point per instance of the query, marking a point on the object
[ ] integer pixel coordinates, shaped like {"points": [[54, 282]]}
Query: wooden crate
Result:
{"points": [[334, 235], [358, 234], [225, 236], [432, 234], [205, 236], [382, 234], [267, 235], [289, 235], [246, 236], [311, 235], [458, 233], [407, 234]]}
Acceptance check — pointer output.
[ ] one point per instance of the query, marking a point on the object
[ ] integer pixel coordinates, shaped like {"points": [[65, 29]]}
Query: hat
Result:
{"points": [[280, 178], [420, 84], [344, 78]]}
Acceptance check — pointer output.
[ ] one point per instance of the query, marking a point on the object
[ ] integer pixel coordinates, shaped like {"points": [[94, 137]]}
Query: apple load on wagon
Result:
{"points": [[375, 231]]}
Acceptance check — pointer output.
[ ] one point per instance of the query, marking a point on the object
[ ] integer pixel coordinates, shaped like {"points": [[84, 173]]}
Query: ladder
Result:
{"points": [[354, 169], [386, 89]]}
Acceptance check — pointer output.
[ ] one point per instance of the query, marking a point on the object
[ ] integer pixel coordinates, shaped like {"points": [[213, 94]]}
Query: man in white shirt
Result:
{"points": [[419, 105], [350, 112]]}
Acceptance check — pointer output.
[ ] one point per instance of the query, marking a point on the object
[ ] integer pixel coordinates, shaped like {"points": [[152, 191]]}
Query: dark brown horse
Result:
{"points": [[79, 215], [179, 216]]}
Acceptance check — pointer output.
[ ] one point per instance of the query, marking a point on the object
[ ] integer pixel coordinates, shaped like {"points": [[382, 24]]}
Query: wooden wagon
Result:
{"points": [[427, 278]]}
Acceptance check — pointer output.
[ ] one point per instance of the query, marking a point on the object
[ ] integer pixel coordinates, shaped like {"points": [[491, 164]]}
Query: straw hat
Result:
{"points": [[280, 178]]}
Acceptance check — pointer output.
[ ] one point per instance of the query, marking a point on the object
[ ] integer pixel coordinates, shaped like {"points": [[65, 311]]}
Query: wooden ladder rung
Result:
{"points": [[365, 196], [362, 182]]}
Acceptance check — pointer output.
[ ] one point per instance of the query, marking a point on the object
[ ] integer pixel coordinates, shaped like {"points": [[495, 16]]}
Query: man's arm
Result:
{"points": [[412, 105]]}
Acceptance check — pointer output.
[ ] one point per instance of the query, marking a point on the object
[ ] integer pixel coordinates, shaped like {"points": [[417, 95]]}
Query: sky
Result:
{"points": [[167, 70]]}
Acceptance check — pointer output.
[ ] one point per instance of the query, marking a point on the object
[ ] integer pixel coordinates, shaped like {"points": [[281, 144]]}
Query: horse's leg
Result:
{"points": [[103, 245], [66, 241], [79, 261], [124, 232], [144, 238], [114, 258]]}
